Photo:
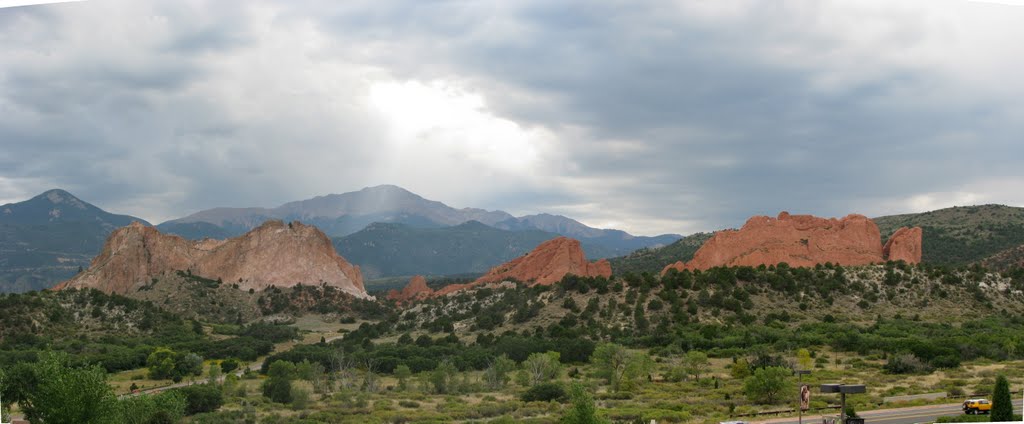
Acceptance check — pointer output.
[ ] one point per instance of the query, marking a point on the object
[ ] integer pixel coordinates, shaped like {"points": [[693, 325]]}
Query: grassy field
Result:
{"points": [[717, 396]]}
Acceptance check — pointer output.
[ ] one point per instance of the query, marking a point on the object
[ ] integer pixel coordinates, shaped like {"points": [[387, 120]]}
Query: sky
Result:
{"points": [[651, 117]]}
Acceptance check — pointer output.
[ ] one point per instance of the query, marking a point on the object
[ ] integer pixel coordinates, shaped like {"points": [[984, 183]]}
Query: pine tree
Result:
{"points": [[1002, 409]]}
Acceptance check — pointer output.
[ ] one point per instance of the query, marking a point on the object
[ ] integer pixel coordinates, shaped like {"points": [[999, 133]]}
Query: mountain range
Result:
{"points": [[391, 232], [339, 215], [46, 239]]}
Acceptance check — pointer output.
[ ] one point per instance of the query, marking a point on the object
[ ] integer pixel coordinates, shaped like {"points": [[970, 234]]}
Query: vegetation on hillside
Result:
{"points": [[118, 333], [619, 336], [704, 345], [195, 297], [961, 235], [389, 250], [653, 259]]}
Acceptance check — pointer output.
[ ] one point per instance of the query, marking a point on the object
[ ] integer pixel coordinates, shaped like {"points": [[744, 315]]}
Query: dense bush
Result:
{"points": [[545, 392], [906, 364], [201, 398]]}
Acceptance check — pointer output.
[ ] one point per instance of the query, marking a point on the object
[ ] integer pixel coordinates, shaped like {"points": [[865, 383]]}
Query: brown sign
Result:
{"points": [[805, 397]]}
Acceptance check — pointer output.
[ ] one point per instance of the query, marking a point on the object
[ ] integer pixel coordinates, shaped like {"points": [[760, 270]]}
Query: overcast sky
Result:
{"points": [[650, 117]]}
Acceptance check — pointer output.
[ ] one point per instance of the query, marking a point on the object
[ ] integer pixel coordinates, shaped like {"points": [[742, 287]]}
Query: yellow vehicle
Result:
{"points": [[977, 406]]}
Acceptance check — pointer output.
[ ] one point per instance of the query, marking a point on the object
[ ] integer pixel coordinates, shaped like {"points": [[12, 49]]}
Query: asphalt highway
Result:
{"points": [[911, 415]]}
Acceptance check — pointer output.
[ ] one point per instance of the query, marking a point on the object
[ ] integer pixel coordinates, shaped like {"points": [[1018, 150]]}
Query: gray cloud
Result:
{"points": [[652, 117]]}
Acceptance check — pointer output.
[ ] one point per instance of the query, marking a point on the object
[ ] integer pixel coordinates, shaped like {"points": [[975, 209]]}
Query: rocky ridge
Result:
{"points": [[804, 241], [274, 253], [544, 265]]}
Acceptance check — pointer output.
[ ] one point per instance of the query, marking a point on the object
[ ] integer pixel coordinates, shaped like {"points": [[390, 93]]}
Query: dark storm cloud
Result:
{"points": [[659, 117], [734, 129]]}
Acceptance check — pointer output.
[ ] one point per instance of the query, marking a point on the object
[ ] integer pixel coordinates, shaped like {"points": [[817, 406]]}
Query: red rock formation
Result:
{"points": [[546, 264], [416, 290], [274, 253], [904, 244], [799, 240]]}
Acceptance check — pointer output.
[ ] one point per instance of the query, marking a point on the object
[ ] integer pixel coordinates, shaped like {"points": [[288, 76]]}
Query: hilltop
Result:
{"points": [[47, 238], [964, 234]]}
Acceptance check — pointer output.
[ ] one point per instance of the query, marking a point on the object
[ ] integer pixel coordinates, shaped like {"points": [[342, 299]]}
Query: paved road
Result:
{"points": [[912, 415]]}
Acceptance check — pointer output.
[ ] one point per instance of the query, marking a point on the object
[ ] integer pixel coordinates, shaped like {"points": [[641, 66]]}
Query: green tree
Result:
{"points": [[1002, 408], [278, 385], [522, 378], [638, 368], [766, 384], [497, 373], [402, 373], [214, 373], [167, 407], [583, 410], [228, 365], [201, 398], [188, 364], [696, 363], [542, 367], [54, 392], [318, 377], [161, 364], [803, 358], [611, 360], [443, 377], [639, 319], [740, 369]]}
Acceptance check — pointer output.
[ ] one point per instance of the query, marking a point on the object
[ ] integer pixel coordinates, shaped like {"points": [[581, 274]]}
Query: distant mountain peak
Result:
{"points": [[386, 187], [58, 196]]}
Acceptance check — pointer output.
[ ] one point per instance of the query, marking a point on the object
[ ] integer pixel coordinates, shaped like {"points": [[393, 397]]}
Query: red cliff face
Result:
{"points": [[799, 240], [417, 289], [546, 264], [274, 253], [904, 244]]}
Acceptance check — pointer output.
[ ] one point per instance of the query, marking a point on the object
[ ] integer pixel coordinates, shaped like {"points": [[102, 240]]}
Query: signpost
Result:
{"points": [[805, 394], [843, 390]]}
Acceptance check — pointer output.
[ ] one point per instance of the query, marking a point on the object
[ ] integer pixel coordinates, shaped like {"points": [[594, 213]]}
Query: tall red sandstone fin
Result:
{"points": [[799, 240], [274, 253], [546, 264], [417, 289], [905, 245]]}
